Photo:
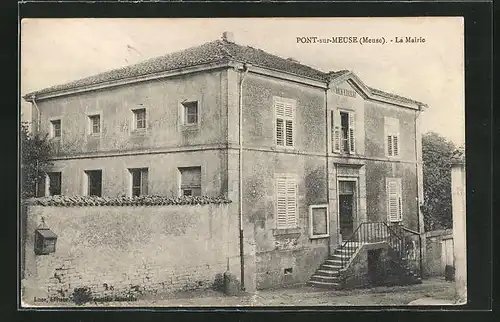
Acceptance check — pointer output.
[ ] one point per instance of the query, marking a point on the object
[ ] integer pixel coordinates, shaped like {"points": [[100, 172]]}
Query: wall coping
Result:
{"points": [[439, 233], [148, 200]]}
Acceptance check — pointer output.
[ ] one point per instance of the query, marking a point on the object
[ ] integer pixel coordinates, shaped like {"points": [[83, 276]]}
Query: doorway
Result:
{"points": [[347, 208]]}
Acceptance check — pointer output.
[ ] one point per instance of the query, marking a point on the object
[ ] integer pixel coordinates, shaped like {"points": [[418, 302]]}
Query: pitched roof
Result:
{"points": [[394, 96], [211, 52], [215, 51]]}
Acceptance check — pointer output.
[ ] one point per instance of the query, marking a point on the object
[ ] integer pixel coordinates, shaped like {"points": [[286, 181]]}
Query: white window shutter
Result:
{"points": [[280, 109], [336, 130], [352, 132], [291, 203], [393, 200], [281, 200]]}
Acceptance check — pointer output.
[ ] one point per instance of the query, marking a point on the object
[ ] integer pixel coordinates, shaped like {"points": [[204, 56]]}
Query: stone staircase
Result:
{"points": [[328, 274]]}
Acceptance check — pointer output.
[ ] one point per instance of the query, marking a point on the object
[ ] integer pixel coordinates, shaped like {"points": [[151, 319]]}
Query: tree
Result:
{"points": [[35, 153], [437, 153]]}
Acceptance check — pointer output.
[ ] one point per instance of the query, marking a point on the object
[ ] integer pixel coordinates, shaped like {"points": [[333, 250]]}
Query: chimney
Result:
{"points": [[228, 36]]}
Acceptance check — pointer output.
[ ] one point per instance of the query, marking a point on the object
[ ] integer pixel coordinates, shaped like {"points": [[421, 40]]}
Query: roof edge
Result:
{"points": [[223, 63]]}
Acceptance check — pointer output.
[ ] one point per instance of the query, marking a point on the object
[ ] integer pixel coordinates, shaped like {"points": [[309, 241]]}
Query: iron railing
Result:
{"points": [[405, 244]]}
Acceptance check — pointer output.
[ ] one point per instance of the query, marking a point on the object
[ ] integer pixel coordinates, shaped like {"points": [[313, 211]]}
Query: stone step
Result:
{"points": [[324, 284], [338, 258], [330, 267], [327, 272], [328, 279], [336, 261]]}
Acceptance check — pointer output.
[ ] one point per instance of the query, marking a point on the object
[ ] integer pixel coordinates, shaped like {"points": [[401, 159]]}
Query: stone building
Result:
{"points": [[306, 157]]}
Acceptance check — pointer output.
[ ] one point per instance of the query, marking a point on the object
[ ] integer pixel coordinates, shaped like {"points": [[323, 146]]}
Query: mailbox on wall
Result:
{"points": [[45, 240]]}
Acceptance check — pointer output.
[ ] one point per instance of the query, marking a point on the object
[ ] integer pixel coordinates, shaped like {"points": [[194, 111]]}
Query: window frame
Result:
{"points": [[189, 187], [311, 227], [286, 177], [48, 181], [284, 118], [336, 127], [141, 171], [185, 106], [52, 129], [90, 125], [135, 112], [86, 181]]}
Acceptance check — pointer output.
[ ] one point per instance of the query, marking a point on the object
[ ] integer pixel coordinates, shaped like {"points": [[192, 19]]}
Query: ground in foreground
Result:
{"points": [[440, 291]]}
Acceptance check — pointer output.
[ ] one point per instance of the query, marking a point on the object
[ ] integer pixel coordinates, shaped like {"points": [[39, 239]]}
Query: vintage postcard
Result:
{"points": [[242, 162]]}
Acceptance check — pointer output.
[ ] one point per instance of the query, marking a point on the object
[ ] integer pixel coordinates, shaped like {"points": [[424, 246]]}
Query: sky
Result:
{"points": [[56, 51]]}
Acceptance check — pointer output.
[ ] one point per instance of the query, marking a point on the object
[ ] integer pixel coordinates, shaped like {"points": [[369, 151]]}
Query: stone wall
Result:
{"points": [[126, 251], [433, 265]]}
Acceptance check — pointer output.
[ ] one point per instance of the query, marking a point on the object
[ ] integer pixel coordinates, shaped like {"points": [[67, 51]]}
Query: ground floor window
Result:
{"points": [[94, 182], [139, 181], [190, 178], [54, 184]]}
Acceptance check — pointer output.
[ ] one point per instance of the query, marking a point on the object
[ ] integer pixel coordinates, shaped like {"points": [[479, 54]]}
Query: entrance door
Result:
{"points": [[346, 208]]}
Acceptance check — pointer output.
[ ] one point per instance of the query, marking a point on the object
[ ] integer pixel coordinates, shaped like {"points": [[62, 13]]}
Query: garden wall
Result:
{"points": [[438, 251], [125, 251]]}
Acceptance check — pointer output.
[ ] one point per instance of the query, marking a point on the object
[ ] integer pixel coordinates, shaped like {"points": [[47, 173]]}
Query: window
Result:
{"points": [[190, 181], [54, 187], [391, 130], [286, 202], [285, 121], [94, 182], [41, 186], [343, 131], [95, 124], [56, 128], [139, 181], [140, 119], [190, 112], [318, 221], [394, 200]]}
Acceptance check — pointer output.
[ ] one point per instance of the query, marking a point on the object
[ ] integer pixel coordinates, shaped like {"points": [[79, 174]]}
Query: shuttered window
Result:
{"points": [[286, 202], [285, 121], [343, 131], [394, 200], [391, 133]]}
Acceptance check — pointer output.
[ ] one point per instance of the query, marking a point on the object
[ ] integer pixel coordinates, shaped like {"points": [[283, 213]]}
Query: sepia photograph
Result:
{"points": [[242, 162]]}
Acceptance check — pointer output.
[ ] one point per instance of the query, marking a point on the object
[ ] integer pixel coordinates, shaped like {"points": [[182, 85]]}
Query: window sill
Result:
{"points": [[139, 132], [190, 127], [286, 231], [319, 236]]}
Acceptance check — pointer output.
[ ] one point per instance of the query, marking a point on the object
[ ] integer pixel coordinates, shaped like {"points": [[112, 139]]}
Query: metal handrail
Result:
{"points": [[377, 232]]}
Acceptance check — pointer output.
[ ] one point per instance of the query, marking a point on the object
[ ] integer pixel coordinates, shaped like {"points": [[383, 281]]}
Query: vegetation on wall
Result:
{"points": [[437, 156], [35, 153]]}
